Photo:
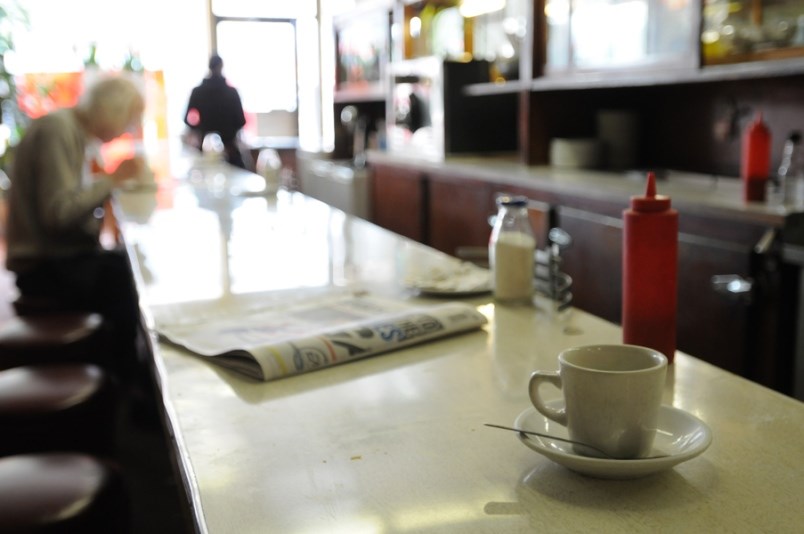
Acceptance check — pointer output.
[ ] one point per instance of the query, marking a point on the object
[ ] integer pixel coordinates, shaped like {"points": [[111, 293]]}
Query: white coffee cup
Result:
{"points": [[612, 395]]}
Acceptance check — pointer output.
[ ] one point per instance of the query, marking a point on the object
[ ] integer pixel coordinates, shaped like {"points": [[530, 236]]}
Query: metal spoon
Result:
{"points": [[548, 436]]}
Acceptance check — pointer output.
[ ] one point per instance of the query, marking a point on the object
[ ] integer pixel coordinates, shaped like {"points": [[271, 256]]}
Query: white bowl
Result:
{"points": [[581, 153]]}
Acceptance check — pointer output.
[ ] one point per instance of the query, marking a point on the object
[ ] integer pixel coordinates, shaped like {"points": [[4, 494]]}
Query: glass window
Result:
{"points": [[265, 79], [264, 8], [609, 33], [592, 34]]}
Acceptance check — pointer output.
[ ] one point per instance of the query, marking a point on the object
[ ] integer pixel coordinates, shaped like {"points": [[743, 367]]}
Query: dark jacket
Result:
{"points": [[219, 108]]}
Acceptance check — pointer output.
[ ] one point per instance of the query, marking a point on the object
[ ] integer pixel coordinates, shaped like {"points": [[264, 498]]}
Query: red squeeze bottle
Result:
{"points": [[650, 265], [755, 160]]}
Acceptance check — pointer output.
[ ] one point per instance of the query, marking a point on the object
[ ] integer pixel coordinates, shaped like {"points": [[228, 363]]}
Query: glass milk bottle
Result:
{"points": [[511, 249]]}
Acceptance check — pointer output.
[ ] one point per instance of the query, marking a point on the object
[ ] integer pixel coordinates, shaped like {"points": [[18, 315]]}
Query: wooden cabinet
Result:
{"points": [[399, 200], [741, 329], [713, 323], [594, 261], [443, 211], [458, 212]]}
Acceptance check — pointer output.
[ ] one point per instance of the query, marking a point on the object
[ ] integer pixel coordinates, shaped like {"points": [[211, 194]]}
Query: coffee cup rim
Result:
{"points": [[659, 359]]}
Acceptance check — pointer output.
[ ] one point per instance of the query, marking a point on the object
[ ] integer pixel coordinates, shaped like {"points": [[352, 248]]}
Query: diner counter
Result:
{"points": [[397, 442]]}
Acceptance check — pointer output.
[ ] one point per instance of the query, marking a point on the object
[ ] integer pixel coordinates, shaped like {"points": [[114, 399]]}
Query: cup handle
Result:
{"points": [[538, 378]]}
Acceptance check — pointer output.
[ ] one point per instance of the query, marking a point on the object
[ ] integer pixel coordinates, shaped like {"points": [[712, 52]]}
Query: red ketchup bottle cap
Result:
{"points": [[651, 201]]}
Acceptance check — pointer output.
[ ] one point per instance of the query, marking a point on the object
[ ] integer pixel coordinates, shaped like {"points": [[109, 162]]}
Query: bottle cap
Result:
{"points": [[651, 201], [758, 126], [516, 201]]}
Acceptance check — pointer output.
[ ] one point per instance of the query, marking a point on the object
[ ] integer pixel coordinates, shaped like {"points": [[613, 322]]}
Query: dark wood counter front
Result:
{"points": [[742, 327]]}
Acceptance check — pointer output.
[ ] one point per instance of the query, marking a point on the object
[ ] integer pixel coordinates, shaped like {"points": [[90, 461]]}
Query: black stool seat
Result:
{"points": [[38, 305], [50, 337], [61, 492], [47, 407]]}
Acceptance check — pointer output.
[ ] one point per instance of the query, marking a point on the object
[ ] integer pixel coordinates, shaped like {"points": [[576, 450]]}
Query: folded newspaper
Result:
{"points": [[282, 340]]}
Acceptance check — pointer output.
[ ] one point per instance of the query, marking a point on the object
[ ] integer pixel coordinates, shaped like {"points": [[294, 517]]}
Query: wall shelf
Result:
{"points": [[624, 78], [346, 96], [630, 78], [486, 89]]}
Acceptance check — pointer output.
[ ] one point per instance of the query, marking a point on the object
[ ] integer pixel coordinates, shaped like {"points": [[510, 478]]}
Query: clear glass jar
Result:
{"points": [[512, 246]]}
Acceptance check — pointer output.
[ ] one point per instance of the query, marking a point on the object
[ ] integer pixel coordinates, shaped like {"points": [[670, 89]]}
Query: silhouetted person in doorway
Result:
{"points": [[215, 106]]}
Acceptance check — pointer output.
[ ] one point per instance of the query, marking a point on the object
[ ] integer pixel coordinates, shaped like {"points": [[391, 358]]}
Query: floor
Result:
{"points": [[156, 502]]}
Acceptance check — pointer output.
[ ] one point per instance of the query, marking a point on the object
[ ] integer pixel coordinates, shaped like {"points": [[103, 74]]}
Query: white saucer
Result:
{"points": [[681, 436], [463, 279]]}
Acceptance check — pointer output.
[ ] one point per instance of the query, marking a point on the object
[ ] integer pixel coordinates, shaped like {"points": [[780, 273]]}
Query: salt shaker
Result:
{"points": [[512, 246]]}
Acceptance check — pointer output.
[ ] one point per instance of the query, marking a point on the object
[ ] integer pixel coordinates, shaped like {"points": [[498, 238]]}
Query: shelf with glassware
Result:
{"points": [[738, 31], [586, 60], [362, 54], [592, 46], [494, 31], [362, 48], [755, 70]]}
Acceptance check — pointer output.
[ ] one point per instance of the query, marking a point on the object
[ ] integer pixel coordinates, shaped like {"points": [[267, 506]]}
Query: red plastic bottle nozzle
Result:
{"points": [[651, 201], [650, 188]]}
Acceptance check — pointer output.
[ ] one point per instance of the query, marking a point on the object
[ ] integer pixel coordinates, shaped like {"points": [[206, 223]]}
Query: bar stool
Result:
{"points": [[58, 406], [38, 305], [48, 337], [61, 493]]}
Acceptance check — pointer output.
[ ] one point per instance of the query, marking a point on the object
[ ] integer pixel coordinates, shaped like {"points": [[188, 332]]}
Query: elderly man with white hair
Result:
{"points": [[55, 207]]}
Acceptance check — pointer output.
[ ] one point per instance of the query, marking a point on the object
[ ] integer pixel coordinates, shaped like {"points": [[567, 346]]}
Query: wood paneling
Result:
{"points": [[594, 261], [458, 213], [735, 333], [399, 200]]}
